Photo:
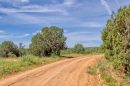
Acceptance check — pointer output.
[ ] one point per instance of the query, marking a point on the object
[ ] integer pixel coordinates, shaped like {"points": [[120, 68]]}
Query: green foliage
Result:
{"points": [[116, 39], [30, 60], [67, 51], [125, 81], [8, 48], [22, 50], [88, 50], [13, 65], [93, 50], [49, 41], [79, 48], [105, 70], [91, 70]]}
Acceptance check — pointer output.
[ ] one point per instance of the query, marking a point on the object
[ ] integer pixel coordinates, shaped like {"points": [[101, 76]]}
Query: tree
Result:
{"points": [[49, 41], [116, 39], [22, 50], [8, 48], [79, 48]]}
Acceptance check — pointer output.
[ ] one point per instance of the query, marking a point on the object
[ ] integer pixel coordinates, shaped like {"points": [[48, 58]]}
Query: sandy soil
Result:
{"points": [[69, 72]]}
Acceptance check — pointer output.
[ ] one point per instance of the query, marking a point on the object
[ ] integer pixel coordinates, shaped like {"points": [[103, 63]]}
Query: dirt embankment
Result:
{"points": [[69, 72]]}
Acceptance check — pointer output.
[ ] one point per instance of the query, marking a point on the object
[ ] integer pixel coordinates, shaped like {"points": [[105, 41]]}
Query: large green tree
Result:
{"points": [[116, 39], [50, 40]]}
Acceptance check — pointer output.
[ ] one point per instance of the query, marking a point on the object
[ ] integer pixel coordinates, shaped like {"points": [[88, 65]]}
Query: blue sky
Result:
{"points": [[82, 20]]}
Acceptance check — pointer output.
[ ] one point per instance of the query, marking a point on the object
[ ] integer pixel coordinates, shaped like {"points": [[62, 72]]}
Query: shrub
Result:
{"points": [[7, 48], [105, 70], [92, 50], [67, 51], [30, 60], [79, 48], [22, 50], [91, 70]]}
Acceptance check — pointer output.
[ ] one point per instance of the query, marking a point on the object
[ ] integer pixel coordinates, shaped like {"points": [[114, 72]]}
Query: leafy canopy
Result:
{"points": [[116, 39], [79, 48], [47, 42], [8, 48]]}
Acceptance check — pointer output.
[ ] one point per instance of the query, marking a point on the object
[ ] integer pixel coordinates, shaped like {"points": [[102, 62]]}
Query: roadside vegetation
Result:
{"points": [[114, 69], [104, 70], [78, 51], [116, 40], [47, 46], [13, 65]]}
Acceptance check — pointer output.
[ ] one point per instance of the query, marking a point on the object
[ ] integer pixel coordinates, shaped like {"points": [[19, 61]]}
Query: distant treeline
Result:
{"points": [[49, 41], [87, 50]]}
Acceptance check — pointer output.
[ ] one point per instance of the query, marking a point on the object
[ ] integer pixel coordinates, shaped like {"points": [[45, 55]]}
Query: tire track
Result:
{"points": [[70, 72]]}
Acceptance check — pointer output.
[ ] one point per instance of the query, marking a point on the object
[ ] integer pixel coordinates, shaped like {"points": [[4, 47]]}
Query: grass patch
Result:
{"points": [[14, 65], [109, 75], [106, 72], [91, 70], [125, 81]]}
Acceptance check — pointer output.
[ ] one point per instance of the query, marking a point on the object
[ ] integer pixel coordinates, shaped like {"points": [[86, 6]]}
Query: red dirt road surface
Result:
{"points": [[69, 72]]}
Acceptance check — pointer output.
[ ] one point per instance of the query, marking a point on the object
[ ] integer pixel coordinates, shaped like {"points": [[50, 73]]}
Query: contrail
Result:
{"points": [[105, 4], [117, 2]]}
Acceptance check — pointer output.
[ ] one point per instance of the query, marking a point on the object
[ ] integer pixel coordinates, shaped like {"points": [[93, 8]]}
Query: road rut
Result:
{"points": [[69, 72]]}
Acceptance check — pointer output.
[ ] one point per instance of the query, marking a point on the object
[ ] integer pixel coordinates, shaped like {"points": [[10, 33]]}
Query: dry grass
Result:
{"points": [[15, 65]]}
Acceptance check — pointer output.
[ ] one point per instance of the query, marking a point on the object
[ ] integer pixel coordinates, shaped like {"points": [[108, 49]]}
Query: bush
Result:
{"points": [[92, 70], [89, 50], [79, 48], [106, 71], [8, 48], [13, 65], [67, 51], [30, 60], [93, 50], [22, 50]]}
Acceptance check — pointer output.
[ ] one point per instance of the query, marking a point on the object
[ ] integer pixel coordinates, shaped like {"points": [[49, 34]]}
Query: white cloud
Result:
{"points": [[69, 2], [90, 24], [22, 18], [81, 37], [26, 1], [14, 1], [107, 7], [1, 31], [66, 31], [25, 18], [22, 36], [117, 2], [33, 8], [5, 0], [36, 32], [9, 36], [23, 13], [3, 34]]}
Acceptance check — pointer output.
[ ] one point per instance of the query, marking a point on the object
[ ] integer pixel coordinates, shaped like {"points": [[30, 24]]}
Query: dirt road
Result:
{"points": [[69, 72]]}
